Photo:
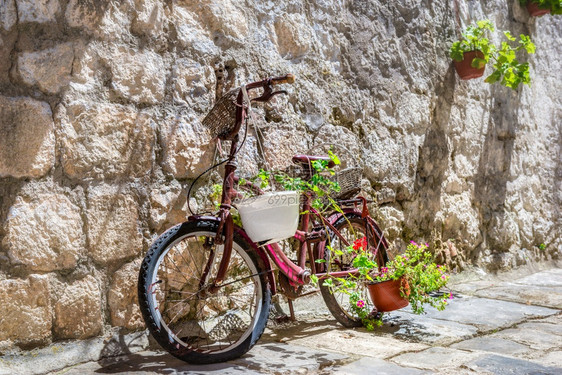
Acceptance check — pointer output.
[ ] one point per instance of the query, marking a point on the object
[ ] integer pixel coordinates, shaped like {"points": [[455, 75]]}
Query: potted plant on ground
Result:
{"points": [[409, 278], [471, 55], [537, 8]]}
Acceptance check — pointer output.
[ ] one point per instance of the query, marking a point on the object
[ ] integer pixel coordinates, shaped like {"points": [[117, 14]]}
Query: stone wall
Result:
{"points": [[100, 135]]}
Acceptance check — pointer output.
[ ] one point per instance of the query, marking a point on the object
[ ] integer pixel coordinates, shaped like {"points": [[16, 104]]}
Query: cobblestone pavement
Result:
{"points": [[506, 325]]}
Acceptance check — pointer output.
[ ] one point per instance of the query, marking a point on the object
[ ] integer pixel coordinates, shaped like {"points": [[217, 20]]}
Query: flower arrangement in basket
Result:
{"points": [[411, 278]]}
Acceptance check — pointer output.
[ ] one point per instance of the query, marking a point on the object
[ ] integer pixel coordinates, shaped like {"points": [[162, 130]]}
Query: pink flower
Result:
{"points": [[414, 243], [451, 296], [384, 270], [443, 277], [360, 304]]}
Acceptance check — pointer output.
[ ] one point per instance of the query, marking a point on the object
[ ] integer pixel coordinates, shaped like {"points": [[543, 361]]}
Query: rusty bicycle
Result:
{"points": [[205, 285]]}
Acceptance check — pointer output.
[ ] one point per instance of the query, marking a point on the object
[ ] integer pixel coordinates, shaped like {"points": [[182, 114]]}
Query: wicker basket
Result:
{"points": [[220, 121], [350, 182]]}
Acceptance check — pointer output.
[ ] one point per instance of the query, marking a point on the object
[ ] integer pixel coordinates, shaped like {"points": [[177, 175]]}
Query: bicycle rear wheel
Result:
{"points": [[351, 226], [183, 315]]}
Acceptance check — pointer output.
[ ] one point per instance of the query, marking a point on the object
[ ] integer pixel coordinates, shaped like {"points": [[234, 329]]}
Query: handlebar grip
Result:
{"points": [[289, 78]]}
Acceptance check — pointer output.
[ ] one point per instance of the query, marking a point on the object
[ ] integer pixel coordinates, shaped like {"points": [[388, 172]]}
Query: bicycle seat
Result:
{"points": [[307, 159]]}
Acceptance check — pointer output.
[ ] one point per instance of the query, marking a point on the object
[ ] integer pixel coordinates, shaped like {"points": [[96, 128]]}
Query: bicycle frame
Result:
{"points": [[312, 244]]}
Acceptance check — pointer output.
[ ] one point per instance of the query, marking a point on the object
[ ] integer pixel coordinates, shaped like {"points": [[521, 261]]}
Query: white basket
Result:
{"points": [[271, 216]]}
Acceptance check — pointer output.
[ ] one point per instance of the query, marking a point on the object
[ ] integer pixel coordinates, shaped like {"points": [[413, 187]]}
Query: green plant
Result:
{"points": [[416, 266], [319, 186], [555, 6], [424, 276], [542, 247], [507, 69]]}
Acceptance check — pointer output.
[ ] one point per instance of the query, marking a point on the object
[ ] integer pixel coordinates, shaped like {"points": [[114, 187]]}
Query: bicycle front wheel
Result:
{"points": [[186, 317], [350, 226]]}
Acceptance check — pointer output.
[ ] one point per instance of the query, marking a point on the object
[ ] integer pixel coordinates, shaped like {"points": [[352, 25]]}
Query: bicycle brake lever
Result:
{"points": [[268, 95]]}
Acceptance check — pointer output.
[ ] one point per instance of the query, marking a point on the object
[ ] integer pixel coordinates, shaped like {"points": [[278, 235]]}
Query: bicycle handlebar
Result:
{"points": [[288, 78]]}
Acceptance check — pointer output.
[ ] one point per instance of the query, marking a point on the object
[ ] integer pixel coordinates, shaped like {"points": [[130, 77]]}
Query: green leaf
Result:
{"points": [[320, 261], [334, 158], [508, 36], [478, 63], [328, 283], [314, 279]]}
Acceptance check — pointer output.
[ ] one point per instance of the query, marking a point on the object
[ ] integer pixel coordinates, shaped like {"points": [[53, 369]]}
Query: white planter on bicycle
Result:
{"points": [[270, 217]]}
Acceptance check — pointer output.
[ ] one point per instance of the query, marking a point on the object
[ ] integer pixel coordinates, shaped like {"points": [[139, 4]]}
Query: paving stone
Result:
{"points": [[376, 366], [149, 363], [555, 319], [492, 344], [499, 365], [543, 326], [355, 342], [488, 314], [436, 358], [427, 329], [552, 277], [550, 359], [66, 355], [528, 294], [287, 358], [470, 288], [538, 340]]}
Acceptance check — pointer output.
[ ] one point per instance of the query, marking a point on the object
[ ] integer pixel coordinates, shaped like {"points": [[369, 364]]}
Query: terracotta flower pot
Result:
{"points": [[464, 67], [535, 11], [386, 294]]}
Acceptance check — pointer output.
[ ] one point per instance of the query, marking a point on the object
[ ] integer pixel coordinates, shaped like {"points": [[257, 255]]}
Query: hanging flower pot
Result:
{"points": [[464, 68], [536, 11], [387, 296]]}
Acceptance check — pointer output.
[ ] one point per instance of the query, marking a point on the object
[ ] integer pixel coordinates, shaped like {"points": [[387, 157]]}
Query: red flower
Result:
{"points": [[360, 244]]}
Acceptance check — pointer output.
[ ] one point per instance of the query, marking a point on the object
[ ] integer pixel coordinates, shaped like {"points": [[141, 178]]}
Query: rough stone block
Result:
{"points": [[78, 310], [186, 145], [294, 35], [138, 76], [193, 84], [102, 140], [8, 14], [149, 18], [85, 14], [168, 205], [45, 233], [40, 11], [26, 313], [224, 17], [27, 139], [122, 297], [49, 69], [112, 225]]}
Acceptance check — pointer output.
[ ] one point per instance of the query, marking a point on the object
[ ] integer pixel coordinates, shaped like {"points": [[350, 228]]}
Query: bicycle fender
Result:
{"points": [[261, 253]]}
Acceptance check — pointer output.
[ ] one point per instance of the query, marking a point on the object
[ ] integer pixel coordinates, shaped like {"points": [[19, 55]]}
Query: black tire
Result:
{"points": [[351, 226], [192, 325]]}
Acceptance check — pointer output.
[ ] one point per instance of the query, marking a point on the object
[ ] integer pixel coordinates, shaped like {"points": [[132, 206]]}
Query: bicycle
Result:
{"points": [[205, 287]]}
